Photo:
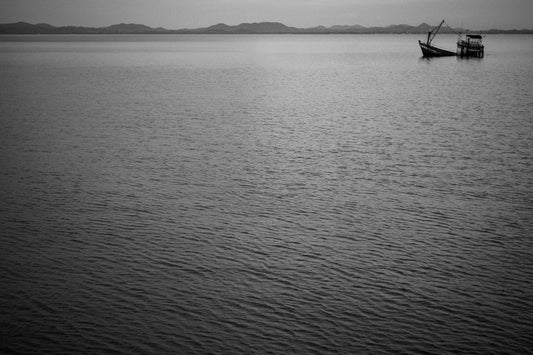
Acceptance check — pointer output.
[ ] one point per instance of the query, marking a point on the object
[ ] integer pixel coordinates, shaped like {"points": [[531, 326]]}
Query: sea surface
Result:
{"points": [[270, 194]]}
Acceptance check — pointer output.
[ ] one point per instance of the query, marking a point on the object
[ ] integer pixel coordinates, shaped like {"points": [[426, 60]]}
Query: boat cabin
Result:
{"points": [[472, 46]]}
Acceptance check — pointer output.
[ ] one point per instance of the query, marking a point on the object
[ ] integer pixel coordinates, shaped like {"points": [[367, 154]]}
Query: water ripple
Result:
{"points": [[235, 195]]}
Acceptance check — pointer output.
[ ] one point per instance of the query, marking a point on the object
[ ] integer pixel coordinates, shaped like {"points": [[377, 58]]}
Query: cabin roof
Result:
{"points": [[474, 36]]}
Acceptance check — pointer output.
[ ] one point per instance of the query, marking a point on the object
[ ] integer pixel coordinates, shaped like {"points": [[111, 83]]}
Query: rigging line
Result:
{"points": [[453, 30]]}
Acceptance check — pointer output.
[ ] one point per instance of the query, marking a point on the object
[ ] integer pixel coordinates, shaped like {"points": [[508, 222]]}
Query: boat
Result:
{"points": [[471, 46], [429, 50]]}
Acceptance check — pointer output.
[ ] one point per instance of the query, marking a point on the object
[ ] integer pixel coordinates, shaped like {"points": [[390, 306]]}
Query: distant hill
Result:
{"points": [[221, 28], [261, 27], [44, 28], [279, 28]]}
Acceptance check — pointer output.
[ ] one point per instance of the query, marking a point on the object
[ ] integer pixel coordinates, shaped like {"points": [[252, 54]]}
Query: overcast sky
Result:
{"points": [[174, 14]]}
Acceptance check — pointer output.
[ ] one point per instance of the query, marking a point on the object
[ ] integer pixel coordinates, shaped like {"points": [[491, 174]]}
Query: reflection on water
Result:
{"points": [[254, 194]]}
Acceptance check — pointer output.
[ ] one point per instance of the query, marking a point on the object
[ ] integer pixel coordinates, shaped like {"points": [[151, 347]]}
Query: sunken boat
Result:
{"points": [[429, 50]]}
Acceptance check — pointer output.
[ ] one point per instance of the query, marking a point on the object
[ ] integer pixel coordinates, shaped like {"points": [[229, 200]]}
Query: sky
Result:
{"points": [[176, 14]]}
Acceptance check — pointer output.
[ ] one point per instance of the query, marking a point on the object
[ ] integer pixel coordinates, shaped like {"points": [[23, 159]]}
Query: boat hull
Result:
{"points": [[430, 51]]}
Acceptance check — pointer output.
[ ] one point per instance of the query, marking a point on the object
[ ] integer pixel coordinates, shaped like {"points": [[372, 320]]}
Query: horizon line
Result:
{"points": [[258, 22]]}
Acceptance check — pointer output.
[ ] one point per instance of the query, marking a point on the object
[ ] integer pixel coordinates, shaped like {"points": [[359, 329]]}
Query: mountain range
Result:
{"points": [[221, 28]]}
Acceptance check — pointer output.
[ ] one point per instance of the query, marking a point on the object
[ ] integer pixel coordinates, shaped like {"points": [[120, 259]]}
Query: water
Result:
{"points": [[265, 194]]}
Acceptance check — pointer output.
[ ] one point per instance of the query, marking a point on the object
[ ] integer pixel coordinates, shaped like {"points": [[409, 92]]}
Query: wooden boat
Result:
{"points": [[431, 51], [472, 46]]}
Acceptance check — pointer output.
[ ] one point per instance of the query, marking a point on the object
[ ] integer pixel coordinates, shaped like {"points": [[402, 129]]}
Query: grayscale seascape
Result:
{"points": [[255, 194]]}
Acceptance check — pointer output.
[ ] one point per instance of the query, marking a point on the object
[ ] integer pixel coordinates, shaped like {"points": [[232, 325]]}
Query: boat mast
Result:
{"points": [[433, 33]]}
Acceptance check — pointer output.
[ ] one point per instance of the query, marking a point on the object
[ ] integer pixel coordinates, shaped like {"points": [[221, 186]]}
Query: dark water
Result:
{"points": [[265, 194]]}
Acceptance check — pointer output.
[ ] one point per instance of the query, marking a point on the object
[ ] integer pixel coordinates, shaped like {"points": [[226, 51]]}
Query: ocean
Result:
{"points": [[265, 194]]}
